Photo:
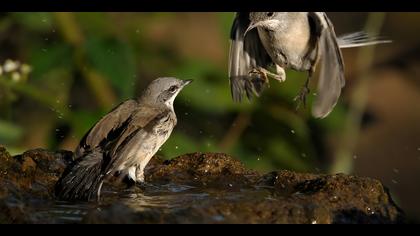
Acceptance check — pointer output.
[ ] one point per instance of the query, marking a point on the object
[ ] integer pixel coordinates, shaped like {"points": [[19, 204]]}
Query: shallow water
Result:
{"points": [[165, 199]]}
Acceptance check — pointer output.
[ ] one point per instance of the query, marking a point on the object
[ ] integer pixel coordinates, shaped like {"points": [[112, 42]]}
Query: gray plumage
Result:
{"points": [[122, 142], [289, 40]]}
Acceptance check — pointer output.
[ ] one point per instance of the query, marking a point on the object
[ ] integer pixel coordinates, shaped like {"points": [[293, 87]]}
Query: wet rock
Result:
{"points": [[204, 169], [193, 188], [27, 177]]}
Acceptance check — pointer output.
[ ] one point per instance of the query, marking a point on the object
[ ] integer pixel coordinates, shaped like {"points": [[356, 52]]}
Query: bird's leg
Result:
{"points": [[301, 97], [281, 74], [265, 74], [139, 174]]}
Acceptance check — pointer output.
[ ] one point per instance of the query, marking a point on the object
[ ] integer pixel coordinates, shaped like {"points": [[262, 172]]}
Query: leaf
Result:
{"points": [[9, 132], [49, 58], [115, 61], [39, 21]]}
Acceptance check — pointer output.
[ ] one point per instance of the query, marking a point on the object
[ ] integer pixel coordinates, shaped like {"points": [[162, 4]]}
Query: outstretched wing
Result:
{"points": [[246, 53], [331, 78], [106, 128]]}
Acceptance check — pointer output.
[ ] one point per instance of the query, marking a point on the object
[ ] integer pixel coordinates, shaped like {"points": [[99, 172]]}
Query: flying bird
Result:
{"points": [[299, 41]]}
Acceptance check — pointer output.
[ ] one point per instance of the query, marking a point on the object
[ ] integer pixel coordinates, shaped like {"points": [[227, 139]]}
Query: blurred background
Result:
{"points": [[62, 71]]}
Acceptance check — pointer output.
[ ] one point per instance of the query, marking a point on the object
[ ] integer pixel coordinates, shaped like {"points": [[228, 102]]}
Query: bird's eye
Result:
{"points": [[270, 14], [172, 89]]}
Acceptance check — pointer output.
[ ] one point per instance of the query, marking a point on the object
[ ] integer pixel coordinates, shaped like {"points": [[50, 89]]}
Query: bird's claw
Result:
{"points": [[260, 74], [301, 97]]}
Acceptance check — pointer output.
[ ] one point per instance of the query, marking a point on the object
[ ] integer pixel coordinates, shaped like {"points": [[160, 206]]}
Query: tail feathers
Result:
{"points": [[246, 85], [360, 39], [83, 179]]}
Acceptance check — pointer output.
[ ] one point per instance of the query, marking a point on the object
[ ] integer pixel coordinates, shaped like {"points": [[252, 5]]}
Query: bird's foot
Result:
{"points": [[280, 76], [260, 73], [301, 97]]}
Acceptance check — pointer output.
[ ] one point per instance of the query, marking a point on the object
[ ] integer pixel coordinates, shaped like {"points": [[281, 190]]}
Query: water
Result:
{"points": [[165, 199]]}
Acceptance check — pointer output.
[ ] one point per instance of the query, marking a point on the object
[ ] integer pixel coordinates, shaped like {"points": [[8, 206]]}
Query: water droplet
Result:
{"points": [[418, 149], [57, 130], [137, 31], [396, 171], [57, 101], [258, 159], [292, 131], [303, 154], [46, 39], [70, 106], [313, 222], [207, 91], [176, 147], [44, 50], [394, 181], [186, 113], [44, 20], [230, 185], [201, 132], [354, 157]]}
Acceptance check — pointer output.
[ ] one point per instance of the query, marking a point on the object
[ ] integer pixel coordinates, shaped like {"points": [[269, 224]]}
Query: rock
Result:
{"points": [[25, 177], [202, 169], [194, 188]]}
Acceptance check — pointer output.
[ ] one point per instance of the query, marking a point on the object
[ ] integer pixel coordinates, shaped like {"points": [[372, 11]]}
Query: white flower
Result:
{"points": [[26, 69], [10, 66], [16, 76]]}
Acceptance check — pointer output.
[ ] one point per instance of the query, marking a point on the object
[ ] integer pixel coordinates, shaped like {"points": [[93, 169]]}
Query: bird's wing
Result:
{"points": [[142, 124], [331, 78], [106, 128], [246, 53]]}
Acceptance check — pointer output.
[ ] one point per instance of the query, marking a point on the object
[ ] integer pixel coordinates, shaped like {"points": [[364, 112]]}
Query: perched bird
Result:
{"points": [[289, 40], [122, 142]]}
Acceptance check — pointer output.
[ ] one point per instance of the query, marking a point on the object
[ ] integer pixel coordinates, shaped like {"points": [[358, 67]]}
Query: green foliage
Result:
{"points": [[115, 61]]}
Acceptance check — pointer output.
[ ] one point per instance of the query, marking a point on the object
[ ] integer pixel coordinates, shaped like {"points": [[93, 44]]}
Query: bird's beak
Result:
{"points": [[252, 26], [187, 82]]}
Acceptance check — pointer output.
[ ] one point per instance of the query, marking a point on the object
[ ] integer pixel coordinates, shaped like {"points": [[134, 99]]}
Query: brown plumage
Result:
{"points": [[122, 142]]}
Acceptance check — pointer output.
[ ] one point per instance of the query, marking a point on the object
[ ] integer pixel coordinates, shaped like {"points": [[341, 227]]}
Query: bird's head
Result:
{"points": [[162, 92], [266, 20]]}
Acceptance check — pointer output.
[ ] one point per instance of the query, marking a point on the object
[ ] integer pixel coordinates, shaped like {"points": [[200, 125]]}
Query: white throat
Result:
{"points": [[170, 102]]}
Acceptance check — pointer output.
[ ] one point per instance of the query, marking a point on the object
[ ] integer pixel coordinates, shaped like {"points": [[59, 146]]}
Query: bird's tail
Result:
{"points": [[360, 39], [246, 85], [82, 180]]}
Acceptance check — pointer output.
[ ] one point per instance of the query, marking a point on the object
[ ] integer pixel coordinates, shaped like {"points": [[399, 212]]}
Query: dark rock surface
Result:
{"points": [[192, 188]]}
